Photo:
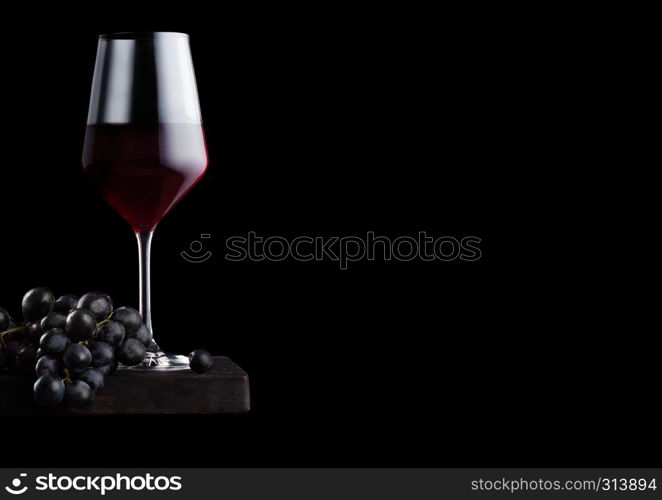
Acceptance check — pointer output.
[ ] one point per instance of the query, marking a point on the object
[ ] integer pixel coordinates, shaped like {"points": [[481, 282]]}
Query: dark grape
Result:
{"points": [[130, 319], [144, 335], [99, 303], [11, 350], [77, 357], [108, 369], [35, 332], [40, 352], [65, 304], [54, 341], [131, 352], [92, 377], [102, 354], [53, 320], [48, 390], [25, 360], [4, 320], [48, 364], [80, 325], [12, 347], [200, 360], [37, 303], [78, 394], [111, 332]]}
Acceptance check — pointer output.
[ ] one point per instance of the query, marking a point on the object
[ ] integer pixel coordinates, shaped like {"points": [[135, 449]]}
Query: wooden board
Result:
{"points": [[223, 389]]}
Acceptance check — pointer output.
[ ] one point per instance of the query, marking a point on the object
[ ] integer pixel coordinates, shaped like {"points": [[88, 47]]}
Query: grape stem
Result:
{"points": [[105, 320], [11, 330], [67, 376]]}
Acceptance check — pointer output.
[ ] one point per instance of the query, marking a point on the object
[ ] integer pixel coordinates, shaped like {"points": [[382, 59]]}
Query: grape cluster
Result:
{"points": [[71, 343]]}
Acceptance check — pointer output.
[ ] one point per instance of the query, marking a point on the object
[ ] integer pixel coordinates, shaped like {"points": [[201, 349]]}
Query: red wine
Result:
{"points": [[144, 170]]}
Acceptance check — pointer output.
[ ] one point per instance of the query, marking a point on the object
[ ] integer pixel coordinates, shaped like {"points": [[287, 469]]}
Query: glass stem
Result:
{"points": [[144, 250]]}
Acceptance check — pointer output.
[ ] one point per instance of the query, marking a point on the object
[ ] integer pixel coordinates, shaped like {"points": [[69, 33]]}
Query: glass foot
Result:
{"points": [[160, 361]]}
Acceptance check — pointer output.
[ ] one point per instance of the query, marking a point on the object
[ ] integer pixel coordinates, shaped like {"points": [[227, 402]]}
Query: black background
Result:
{"points": [[339, 122]]}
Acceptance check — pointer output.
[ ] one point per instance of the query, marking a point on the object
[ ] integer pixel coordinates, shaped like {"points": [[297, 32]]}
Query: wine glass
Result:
{"points": [[144, 144]]}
